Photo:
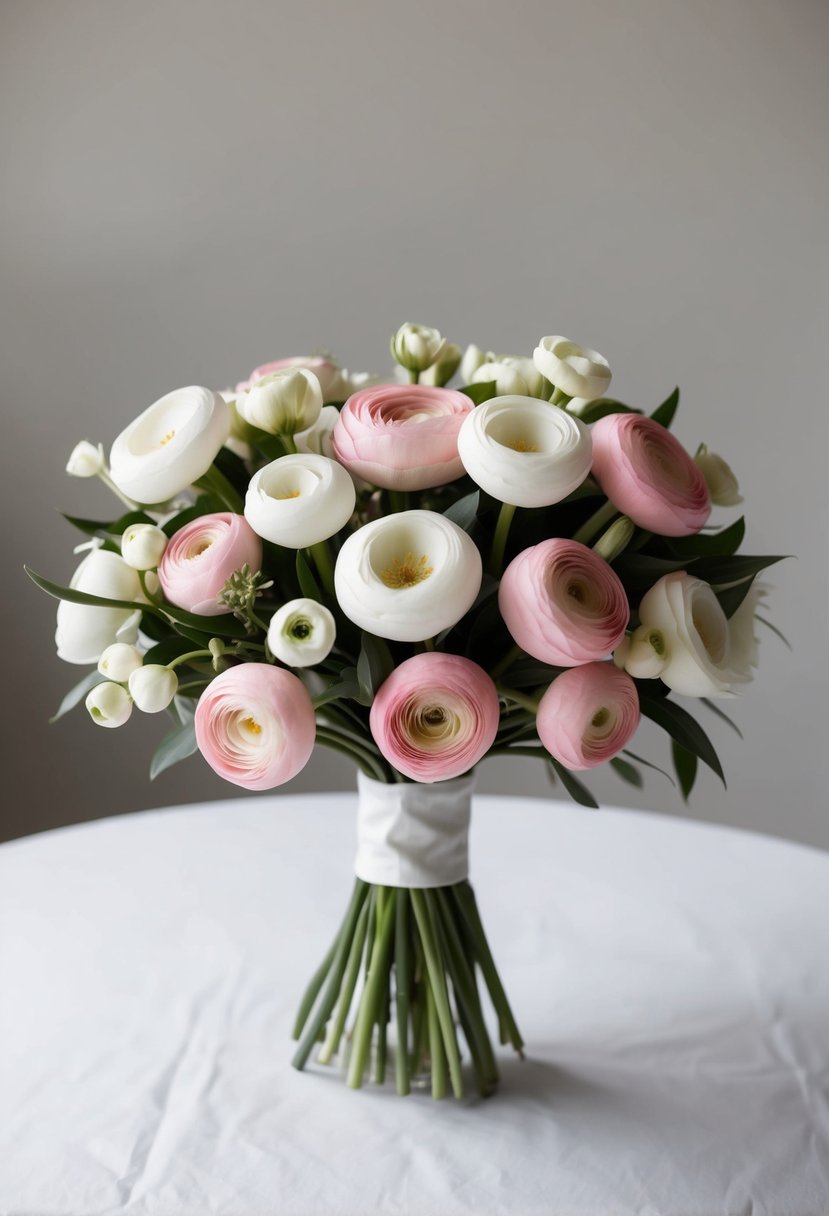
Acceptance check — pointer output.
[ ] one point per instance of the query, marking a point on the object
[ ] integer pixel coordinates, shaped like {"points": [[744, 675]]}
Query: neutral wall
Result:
{"points": [[191, 188]]}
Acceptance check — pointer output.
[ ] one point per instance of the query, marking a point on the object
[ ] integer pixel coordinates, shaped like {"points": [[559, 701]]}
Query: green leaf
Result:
{"points": [[685, 766], [649, 764], [205, 504], [225, 626], [168, 649], [479, 393], [578, 792], [77, 694], [764, 621], [601, 407], [721, 544], [528, 673], [178, 745], [715, 709], [637, 570], [374, 665], [731, 597], [683, 728], [627, 772], [347, 688], [80, 597], [464, 512], [96, 527], [664, 413], [306, 578], [720, 571]]}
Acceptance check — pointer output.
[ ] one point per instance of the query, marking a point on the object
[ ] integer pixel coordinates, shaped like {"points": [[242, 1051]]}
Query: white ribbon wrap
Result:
{"points": [[411, 834]]}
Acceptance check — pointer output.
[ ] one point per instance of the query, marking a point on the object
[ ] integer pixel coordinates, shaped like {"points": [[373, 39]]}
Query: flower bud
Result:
{"points": [[473, 358], [643, 654], [86, 460], [109, 705], [142, 546], [448, 362], [575, 370], [508, 380], [416, 347], [301, 633], [119, 661], [615, 539], [722, 484], [283, 402], [153, 687]]}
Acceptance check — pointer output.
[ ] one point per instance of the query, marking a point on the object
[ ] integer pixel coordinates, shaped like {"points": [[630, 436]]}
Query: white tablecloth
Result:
{"points": [[671, 981]]}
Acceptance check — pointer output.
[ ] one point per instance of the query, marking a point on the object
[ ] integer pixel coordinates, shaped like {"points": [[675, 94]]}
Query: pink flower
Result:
{"points": [[402, 436], [255, 725], [435, 716], [648, 475], [200, 559], [588, 714], [563, 604], [333, 380]]}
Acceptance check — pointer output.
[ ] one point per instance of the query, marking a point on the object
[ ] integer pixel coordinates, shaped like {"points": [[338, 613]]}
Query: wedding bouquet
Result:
{"points": [[417, 576]]}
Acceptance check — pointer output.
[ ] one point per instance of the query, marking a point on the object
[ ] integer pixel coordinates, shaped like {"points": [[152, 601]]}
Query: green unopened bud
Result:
{"points": [[416, 347], [617, 537], [441, 373]]}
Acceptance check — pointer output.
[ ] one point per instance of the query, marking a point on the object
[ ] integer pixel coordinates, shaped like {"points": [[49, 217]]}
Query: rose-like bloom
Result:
{"points": [[255, 725], [524, 452], [201, 557], [648, 475], [283, 402], [333, 381], [416, 347], [435, 716], [86, 460], [109, 705], [441, 373], [402, 436], [588, 714], [301, 633], [119, 661], [142, 546], [719, 477], [576, 370], [169, 446], [694, 635], [153, 687], [408, 576], [83, 630], [297, 501], [563, 604]]}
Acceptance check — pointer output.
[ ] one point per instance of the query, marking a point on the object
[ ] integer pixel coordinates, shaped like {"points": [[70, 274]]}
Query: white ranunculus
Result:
{"points": [[641, 654], [299, 500], [719, 477], [84, 631], [119, 661], [473, 358], [109, 704], [416, 347], [153, 687], [142, 546], [506, 378], [700, 659], [441, 373], [317, 438], [532, 376], [525, 452], [86, 460], [169, 446], [741, 626], [576, 370], [282, 402], [302, 633], [407, 576]]}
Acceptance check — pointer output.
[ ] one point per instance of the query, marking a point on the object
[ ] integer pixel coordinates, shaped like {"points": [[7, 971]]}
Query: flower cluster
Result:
{"points": [[483, 554]]}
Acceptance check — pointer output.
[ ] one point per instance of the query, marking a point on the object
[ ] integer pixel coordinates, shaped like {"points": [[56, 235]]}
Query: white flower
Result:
{"points": [[169, 446], [700, 659], [641, 654], [448, 362], [119, 661], [142, 546], [86, 460], [416, 347], [507, 379], [84, 631], [301, 633], [153, 687], [407, 576], [719, 477], [317, 438], [282, 402], [525, 452], [299, 500], [109, 704], [473, 358], [576, 370], [741, 627]]}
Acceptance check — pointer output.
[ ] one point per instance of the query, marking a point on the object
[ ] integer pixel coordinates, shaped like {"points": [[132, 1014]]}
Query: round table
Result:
{"points": [[671, 981]]}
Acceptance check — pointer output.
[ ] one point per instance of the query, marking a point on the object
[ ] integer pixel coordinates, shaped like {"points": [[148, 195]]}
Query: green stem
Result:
{"points": [[352, 971], [437, 984], [466, 992], [559, 397], [499, 540], [403, 984], [596, 523], [214, 482], [321, 555], [512, 694], [414, 377], [289, 444], [398, 500], [514, 653], [465, 898], [105, 478], [372, 993], [185, 658], [436, 1051], [338, 740]]}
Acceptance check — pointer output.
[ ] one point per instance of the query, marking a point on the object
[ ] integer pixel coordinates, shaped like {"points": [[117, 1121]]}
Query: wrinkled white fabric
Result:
{"points": [[670, 980], [413, 835]]}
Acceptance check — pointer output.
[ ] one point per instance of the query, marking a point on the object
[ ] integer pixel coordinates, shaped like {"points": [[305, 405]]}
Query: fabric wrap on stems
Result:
{"points": [[411, 834]]}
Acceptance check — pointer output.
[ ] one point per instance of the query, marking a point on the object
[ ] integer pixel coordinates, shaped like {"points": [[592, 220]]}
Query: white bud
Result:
{"points": [[643, 655], [282, 403], [142, 546], [722, 484], [416, 347], [109, 705], [302, 633], [86, 460], [575, 370], [119, 661], [153, 687], [508, 380], [473, 358], [441, 373]]}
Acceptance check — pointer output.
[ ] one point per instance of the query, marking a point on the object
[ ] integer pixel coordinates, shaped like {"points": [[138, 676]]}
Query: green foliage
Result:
{"points": [[177, 745], [664, 413]]}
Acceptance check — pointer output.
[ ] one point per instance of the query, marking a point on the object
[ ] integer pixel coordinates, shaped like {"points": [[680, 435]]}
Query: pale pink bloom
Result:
{"points": [[255, 725], [435, 716], [402, 436], [333, 380], [648, 475], [563, 604], [588, 714], [201, 557]]}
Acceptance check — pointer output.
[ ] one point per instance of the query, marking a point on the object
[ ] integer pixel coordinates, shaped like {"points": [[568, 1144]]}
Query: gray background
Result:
{"points": [[192, 188]]}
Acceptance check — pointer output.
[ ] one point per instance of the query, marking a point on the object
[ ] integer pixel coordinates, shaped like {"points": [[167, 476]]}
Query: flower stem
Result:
{"points": [[520, 698], [594, 525], [436, 974], [403, 984], [559, 397], [514, 653], [214, 482], [352, 971], [414, 377], [372, 994], [436, 1051], [185, 658], [499, 540], [321, 554], [465, 898]]}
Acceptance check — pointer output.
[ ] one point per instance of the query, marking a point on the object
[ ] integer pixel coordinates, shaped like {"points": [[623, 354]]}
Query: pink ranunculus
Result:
{"points": [[333, 380], [402, 436], [255, 725], [588, 714], [563, 604], [201, 557], [435, 716], [648, 475]]}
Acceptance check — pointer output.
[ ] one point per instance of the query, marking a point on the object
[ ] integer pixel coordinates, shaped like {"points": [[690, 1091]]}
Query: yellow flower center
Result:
{"points": [[252, 725], [290, 494], [170, 435], [522, 445], [198, 548], [408, 572]]}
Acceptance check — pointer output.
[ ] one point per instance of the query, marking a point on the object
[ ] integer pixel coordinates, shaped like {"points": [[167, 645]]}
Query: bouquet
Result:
{"points": [[417, 576]]}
